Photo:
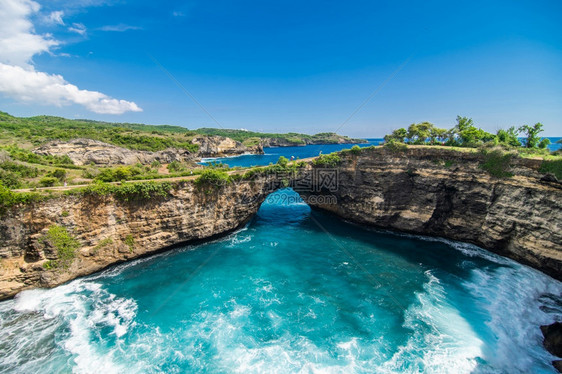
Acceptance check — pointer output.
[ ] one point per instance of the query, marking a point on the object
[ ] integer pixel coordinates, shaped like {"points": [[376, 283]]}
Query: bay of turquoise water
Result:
{"points": [[272, 154], [295, 291]]}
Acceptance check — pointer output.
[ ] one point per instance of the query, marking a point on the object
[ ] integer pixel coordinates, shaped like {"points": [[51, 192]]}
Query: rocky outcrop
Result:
{"points": [[553, 342], [86, 151], [220, 146], [109, 231], [446, 193]]}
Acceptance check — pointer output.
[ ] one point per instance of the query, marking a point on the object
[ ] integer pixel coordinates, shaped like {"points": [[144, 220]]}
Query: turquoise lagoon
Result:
{"points": [[295, 291]]}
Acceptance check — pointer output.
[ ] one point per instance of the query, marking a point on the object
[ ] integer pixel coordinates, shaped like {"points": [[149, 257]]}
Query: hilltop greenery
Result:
{"points": [[466, 134], [250, 138], [34, 131]]}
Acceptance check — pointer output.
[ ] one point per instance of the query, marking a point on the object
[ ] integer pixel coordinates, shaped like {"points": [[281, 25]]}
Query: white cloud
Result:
{"points": [[18, 42], [18, 78], [119, 28], [178, 13], [78, 28], [56, 17], [43, 88]]}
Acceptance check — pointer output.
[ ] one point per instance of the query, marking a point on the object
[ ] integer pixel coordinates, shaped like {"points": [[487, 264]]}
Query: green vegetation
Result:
{"points": [[552, 166], [130, 242], [12, 173], [47, 181], [251, 138], [214, 178], [283, 161], [37, 130], [21, 168], [497, 163], [466, 134], [117, 174], [8, 198], [24, 155], [104, 243], [327, 161], [355, 150], [176, 167], [127, 191], [60, 239], [395, 146]]}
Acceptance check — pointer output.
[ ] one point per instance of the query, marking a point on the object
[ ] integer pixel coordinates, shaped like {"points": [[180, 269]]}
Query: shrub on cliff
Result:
{"points": [[48, 181], [141, 191], [395, 146], [553, 167], [497, 163], [60, 239], [127, 191], [175, 167], [9, 198], [212, 177], [331, 160], [283, 161], [59, 174], [355, 150]]}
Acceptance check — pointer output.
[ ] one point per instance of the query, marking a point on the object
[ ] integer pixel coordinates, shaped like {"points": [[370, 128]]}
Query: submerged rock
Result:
{"points": [[553, 342]]}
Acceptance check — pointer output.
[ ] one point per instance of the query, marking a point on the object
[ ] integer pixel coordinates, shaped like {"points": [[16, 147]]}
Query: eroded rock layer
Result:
{"points": [[110, 231], [447, 193]]}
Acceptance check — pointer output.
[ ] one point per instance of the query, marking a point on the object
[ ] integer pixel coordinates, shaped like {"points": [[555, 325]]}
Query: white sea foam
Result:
{"points": [[511, 296], [76, 310], [441, 341]]}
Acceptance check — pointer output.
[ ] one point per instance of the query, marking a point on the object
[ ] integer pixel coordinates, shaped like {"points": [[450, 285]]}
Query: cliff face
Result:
{"points": [[430, 191], [109, 231], [219, 146], [85, 151], [445, 193]]}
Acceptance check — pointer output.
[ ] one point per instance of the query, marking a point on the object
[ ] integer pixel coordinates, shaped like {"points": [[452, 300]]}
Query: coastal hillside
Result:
{"points": [[251, 138], [33, 131], [46, 151]]}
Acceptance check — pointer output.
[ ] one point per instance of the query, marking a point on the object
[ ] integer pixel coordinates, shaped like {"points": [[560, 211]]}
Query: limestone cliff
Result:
{"points": [[85, 151], [220, 146], [108, 230], [429, 191], [434, 191]]}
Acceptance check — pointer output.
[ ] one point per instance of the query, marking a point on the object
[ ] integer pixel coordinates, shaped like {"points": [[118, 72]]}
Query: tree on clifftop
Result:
{"points": [[398, 135], [532, 139]]}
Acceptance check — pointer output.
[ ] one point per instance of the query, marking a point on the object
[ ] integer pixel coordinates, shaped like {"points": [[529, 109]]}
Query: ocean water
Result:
{"points": [[295, 291], [272, 154]]}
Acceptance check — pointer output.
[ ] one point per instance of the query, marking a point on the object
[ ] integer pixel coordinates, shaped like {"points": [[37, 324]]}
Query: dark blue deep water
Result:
{"points": [[293, 292]]}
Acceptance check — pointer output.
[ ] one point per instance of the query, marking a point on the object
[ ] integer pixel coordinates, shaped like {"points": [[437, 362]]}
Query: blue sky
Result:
{"points": [[292, 65]]}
